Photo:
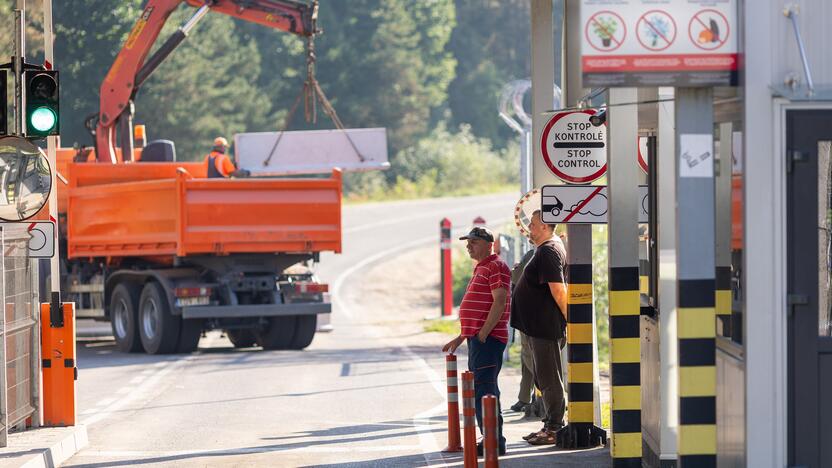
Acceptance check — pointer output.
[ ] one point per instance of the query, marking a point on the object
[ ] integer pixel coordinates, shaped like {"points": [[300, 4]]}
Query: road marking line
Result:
{"points": [[243, 451], [132, 394], [137, 380], [106, 401], [429, 214]]}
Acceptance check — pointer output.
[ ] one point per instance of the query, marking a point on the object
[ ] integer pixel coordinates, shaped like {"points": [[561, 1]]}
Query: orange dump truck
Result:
{"points": [[164, 253]]}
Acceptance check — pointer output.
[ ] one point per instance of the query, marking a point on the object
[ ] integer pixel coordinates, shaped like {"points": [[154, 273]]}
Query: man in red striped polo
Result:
{"points": [[483, 317]]}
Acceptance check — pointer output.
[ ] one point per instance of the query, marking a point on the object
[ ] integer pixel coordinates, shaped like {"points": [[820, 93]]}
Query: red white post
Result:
{"points": [[489, 429], [454, 442], [446, 285], [479, 221], [470, 420]]}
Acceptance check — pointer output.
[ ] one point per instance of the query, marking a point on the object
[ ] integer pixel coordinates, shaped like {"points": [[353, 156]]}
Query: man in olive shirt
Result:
{"points": [[538, 309]]}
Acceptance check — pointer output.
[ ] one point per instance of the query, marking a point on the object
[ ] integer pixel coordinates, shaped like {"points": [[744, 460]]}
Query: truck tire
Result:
{"points": [[241, 338], [189, 334], [278, 334], [124, 303], [158, 328], [304, 331]]}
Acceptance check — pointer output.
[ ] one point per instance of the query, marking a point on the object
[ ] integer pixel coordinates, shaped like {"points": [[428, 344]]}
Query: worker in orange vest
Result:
{"points": [[218, 163]]}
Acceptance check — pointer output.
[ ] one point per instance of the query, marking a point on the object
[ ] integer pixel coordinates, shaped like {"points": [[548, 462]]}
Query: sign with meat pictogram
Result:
{"points": [[631, 43]]}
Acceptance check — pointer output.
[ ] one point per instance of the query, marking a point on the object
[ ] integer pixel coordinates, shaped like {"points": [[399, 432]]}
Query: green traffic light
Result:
{"points": [[43, 119]]}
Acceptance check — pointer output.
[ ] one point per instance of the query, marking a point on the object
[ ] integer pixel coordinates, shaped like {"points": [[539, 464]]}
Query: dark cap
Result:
{"points": [[480, 233]]}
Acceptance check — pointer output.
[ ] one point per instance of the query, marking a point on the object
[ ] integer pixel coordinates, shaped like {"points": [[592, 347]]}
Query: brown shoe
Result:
{"points": [[544, 438], [533, 434]]}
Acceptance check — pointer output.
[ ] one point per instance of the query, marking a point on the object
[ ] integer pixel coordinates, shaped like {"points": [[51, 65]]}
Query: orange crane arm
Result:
{"points": [[132, 67]]}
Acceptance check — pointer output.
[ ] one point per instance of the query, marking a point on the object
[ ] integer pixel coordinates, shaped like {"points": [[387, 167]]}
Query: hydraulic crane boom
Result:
{"points": [[132, 67]]}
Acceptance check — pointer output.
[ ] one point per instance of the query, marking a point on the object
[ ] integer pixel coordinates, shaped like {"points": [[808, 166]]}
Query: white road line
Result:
{"points": [[134, 393], [244, 451]]}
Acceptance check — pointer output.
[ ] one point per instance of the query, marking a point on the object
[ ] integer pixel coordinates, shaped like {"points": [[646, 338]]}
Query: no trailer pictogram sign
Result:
{"points": [[709, 29], [605, 31]]}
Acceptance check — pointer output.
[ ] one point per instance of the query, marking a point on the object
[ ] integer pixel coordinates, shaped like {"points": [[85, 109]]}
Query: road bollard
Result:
{"points": [[479, 221], [454, 443], [469, 444], [58, 354], [489, 429], [447, 302]]}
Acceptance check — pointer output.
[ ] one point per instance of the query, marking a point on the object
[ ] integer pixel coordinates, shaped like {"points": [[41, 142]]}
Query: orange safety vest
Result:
{"points": [[219, 165]]}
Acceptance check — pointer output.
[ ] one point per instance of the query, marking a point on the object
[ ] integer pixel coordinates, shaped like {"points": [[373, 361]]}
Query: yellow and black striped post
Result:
{"points": [[723, 234], [696, 271], [624, 278], [581, 432]]}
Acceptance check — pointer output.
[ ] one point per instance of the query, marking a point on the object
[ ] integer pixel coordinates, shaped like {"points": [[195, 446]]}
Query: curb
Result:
{"points": [[59, 452]]}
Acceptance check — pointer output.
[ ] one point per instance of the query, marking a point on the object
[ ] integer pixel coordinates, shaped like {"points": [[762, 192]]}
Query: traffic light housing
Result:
{"points": [[42, 92]]}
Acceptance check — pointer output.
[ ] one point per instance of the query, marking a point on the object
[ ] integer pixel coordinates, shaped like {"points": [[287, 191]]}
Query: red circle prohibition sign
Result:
{"points": [[665, 38], [723, 38], [614, 43], [548, 159]]}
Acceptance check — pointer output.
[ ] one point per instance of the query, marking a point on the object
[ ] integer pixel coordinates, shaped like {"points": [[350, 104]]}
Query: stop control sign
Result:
{"points": [[573, 148]]}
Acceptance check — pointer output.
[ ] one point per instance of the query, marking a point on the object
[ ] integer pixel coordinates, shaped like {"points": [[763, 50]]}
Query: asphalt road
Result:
{"points": [[356, 395]]}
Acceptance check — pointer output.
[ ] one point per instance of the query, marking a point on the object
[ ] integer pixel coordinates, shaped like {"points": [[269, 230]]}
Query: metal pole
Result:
{"points": [[624, 296], [20, 53], [695, 273], [723, 228], [666, 187]]}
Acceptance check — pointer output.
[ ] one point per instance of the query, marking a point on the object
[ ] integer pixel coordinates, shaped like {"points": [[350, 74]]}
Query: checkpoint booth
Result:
{"points": [[715, 184]]}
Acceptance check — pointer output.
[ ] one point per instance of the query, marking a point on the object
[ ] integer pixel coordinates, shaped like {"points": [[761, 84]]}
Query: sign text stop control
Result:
{"points": [[574, 149]]}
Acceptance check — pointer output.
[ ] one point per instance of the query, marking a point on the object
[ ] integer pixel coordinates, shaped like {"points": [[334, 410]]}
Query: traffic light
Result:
{"points": [[42, 103]]}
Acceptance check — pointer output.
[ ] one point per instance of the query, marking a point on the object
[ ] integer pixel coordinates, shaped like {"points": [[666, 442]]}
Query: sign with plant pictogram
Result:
{"points": [[633, 43]]}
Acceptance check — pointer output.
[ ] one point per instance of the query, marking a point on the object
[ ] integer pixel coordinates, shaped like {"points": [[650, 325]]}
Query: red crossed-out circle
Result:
{"points": [[616, 43], [667, 40], [548, 158], [697, 20]]}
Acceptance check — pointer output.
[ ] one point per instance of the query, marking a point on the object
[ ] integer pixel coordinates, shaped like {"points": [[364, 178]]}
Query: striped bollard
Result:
{"points": [[454, 443], [469, 418], [489, 429]]}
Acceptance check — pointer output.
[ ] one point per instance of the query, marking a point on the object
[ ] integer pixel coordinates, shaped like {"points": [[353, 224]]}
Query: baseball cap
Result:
{"points": [[479, 233]]}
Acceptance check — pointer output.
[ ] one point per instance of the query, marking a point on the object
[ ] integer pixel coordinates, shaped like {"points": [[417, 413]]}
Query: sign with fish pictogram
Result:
{"points": [[632, 43]]}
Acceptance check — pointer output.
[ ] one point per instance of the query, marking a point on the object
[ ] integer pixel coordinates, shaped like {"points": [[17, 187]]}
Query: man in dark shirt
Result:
{"points": [[538, 309]]}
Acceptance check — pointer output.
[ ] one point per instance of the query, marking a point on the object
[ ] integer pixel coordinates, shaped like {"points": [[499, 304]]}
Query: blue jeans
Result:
{"points": [[485, 360]]}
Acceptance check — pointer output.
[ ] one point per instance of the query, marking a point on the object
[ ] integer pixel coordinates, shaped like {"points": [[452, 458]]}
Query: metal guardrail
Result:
{"points": [[19, 336]]}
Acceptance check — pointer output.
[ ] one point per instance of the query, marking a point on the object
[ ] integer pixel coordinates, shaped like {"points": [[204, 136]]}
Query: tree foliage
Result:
{"points": [[430, 71]]}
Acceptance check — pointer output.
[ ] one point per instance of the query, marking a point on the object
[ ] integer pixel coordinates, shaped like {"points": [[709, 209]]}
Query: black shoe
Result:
{"points": [[501, 450], [519, 406]]}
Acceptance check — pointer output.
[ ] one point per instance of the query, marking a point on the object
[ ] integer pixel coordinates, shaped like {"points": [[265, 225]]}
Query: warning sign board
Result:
{"points": [[643, 154], [40, 235], [649, 43], [588, 204], [573, 148]]}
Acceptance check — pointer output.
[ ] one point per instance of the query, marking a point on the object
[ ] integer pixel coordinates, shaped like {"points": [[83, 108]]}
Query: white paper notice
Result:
{"points": [[696, 155]]}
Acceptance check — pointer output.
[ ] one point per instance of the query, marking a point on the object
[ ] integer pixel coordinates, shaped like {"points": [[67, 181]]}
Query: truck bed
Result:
{"points": [[161, 209]]}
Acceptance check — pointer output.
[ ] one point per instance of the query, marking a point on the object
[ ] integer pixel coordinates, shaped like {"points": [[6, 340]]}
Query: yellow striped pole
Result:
{"points": [[581, 431], [696, 273], [625, 349], [624, 278]]}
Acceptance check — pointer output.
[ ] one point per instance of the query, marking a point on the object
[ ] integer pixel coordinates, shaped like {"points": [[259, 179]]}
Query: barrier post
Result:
{"points": [[454, 442], [445, 267], [58, 354], [479, 221], [469, 444], [489, 429]]}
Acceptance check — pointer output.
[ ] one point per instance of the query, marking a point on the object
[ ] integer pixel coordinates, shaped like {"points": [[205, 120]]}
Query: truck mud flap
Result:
{"points": [[258, 310]]}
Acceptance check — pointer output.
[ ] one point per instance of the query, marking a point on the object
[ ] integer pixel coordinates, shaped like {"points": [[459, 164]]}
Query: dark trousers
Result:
{"points": [[526, 366], [485, 360], [548, 377]]}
